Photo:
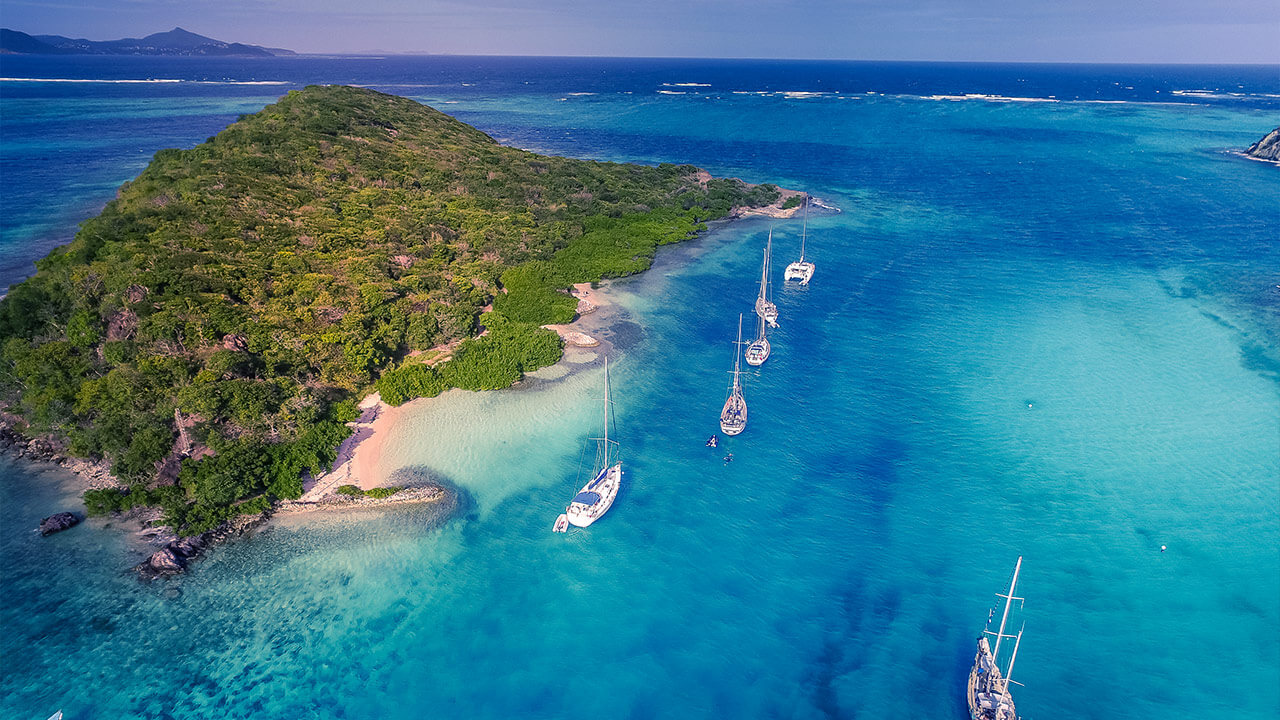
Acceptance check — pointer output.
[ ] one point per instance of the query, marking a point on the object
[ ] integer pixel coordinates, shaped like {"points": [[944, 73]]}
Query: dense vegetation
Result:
{"points": [[377, 493], [247, 289]]}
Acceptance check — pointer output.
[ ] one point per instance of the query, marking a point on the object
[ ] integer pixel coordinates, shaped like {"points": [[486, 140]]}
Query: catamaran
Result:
{"points": [[594, 499], [764, 307], [801, 269], [758, 350], [733, 417], [988, 690]]}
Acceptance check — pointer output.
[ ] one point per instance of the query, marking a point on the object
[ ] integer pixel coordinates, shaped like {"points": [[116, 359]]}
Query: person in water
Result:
{"points": [[728, 458]]}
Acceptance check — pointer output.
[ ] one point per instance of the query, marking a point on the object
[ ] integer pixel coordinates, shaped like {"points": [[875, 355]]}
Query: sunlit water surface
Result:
{"points": [[1038, 329]]}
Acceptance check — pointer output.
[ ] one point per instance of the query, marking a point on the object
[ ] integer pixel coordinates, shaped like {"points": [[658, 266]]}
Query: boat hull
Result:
{"points": [[733, 418], [987, 699], [801, 271], [767, 310], [758, 352], [605, 485]]}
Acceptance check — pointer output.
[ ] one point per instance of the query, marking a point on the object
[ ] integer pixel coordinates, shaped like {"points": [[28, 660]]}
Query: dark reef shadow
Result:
{"points": [[458, 503]]}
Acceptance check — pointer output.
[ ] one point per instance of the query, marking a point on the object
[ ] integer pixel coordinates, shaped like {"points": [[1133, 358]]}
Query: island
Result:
{"points": [[209, 336], [1268, 148], [175, 42]]}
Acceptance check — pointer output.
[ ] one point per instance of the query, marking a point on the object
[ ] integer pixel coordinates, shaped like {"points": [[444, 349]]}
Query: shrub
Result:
{"points": [[379, 493], [102, 501]]}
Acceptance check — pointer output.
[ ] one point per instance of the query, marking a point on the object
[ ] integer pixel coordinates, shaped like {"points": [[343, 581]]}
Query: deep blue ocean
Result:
{"points": [[1046, 322]]}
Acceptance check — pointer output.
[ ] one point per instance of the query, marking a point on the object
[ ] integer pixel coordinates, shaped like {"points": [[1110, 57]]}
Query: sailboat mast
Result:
{"points": [[768, 259], [1008, 601], [1008, 676], [804, 226], [764, 266], [737, 354], [606, 410]]}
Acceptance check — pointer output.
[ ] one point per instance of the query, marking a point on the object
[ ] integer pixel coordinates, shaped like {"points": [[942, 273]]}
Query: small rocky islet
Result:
{"points": [[1268, 148]]}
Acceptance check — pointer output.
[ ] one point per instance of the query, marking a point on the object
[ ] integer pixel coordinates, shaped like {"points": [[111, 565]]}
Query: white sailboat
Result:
{"points": [[733, 417], [595, 498], [801, 269], [764, 306], [988, 688], [758, 350]]}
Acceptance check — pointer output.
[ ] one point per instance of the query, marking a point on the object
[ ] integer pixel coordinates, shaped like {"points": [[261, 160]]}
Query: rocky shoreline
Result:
{"points": [[178, 553], [1268, 148], [96, 474], [410, 495], [175, 554]]}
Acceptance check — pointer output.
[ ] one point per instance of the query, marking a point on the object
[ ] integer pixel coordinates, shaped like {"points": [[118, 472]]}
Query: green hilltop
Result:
{"points": [[259, 283]]}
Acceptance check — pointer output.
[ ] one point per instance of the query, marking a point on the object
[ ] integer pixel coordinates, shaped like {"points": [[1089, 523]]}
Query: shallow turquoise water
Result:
{"points": [[1036, 329]]}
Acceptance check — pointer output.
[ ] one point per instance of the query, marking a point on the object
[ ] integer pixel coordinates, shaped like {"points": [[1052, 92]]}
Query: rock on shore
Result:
{"points": [[57, 523], [15, 443], [95, 473], [175, 556], [1268, 148]]}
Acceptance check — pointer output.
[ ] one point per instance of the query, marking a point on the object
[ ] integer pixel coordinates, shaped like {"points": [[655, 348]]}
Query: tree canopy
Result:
{"points": [[258, 282]]}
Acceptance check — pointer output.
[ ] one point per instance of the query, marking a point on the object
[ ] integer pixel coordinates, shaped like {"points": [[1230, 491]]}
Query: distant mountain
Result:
{"points": [[174, 42]]}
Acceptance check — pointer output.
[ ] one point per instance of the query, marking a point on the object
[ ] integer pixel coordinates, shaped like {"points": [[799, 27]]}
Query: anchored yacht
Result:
{"points": [[801, 269], [758, 350], [764, 306], [988, 688], [733, 417], [595, 498]]}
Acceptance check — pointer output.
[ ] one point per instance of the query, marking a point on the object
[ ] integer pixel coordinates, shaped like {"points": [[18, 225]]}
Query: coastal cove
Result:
{"points": [[1058, 343]]}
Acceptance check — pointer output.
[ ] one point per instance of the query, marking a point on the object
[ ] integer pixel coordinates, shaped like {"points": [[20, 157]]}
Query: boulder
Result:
{"points": [[136, 293], [189, 547], [57, 523], [122, 325], [41, 449], [163, 562], [235, 342], [11, 438]]}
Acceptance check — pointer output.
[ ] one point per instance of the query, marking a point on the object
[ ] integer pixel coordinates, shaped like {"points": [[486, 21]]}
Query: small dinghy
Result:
{"points": [[562, 523]]}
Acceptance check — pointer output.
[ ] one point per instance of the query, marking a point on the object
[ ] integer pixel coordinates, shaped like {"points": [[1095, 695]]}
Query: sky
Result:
{"points": [[1135, 31]]}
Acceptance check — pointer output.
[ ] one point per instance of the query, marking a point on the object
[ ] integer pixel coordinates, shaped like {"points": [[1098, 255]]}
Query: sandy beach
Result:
{"points": [[360, 456]]}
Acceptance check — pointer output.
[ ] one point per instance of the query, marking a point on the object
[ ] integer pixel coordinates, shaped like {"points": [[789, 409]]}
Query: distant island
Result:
{"points": [[209, 334], [176, 42], [1268, 148]]}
